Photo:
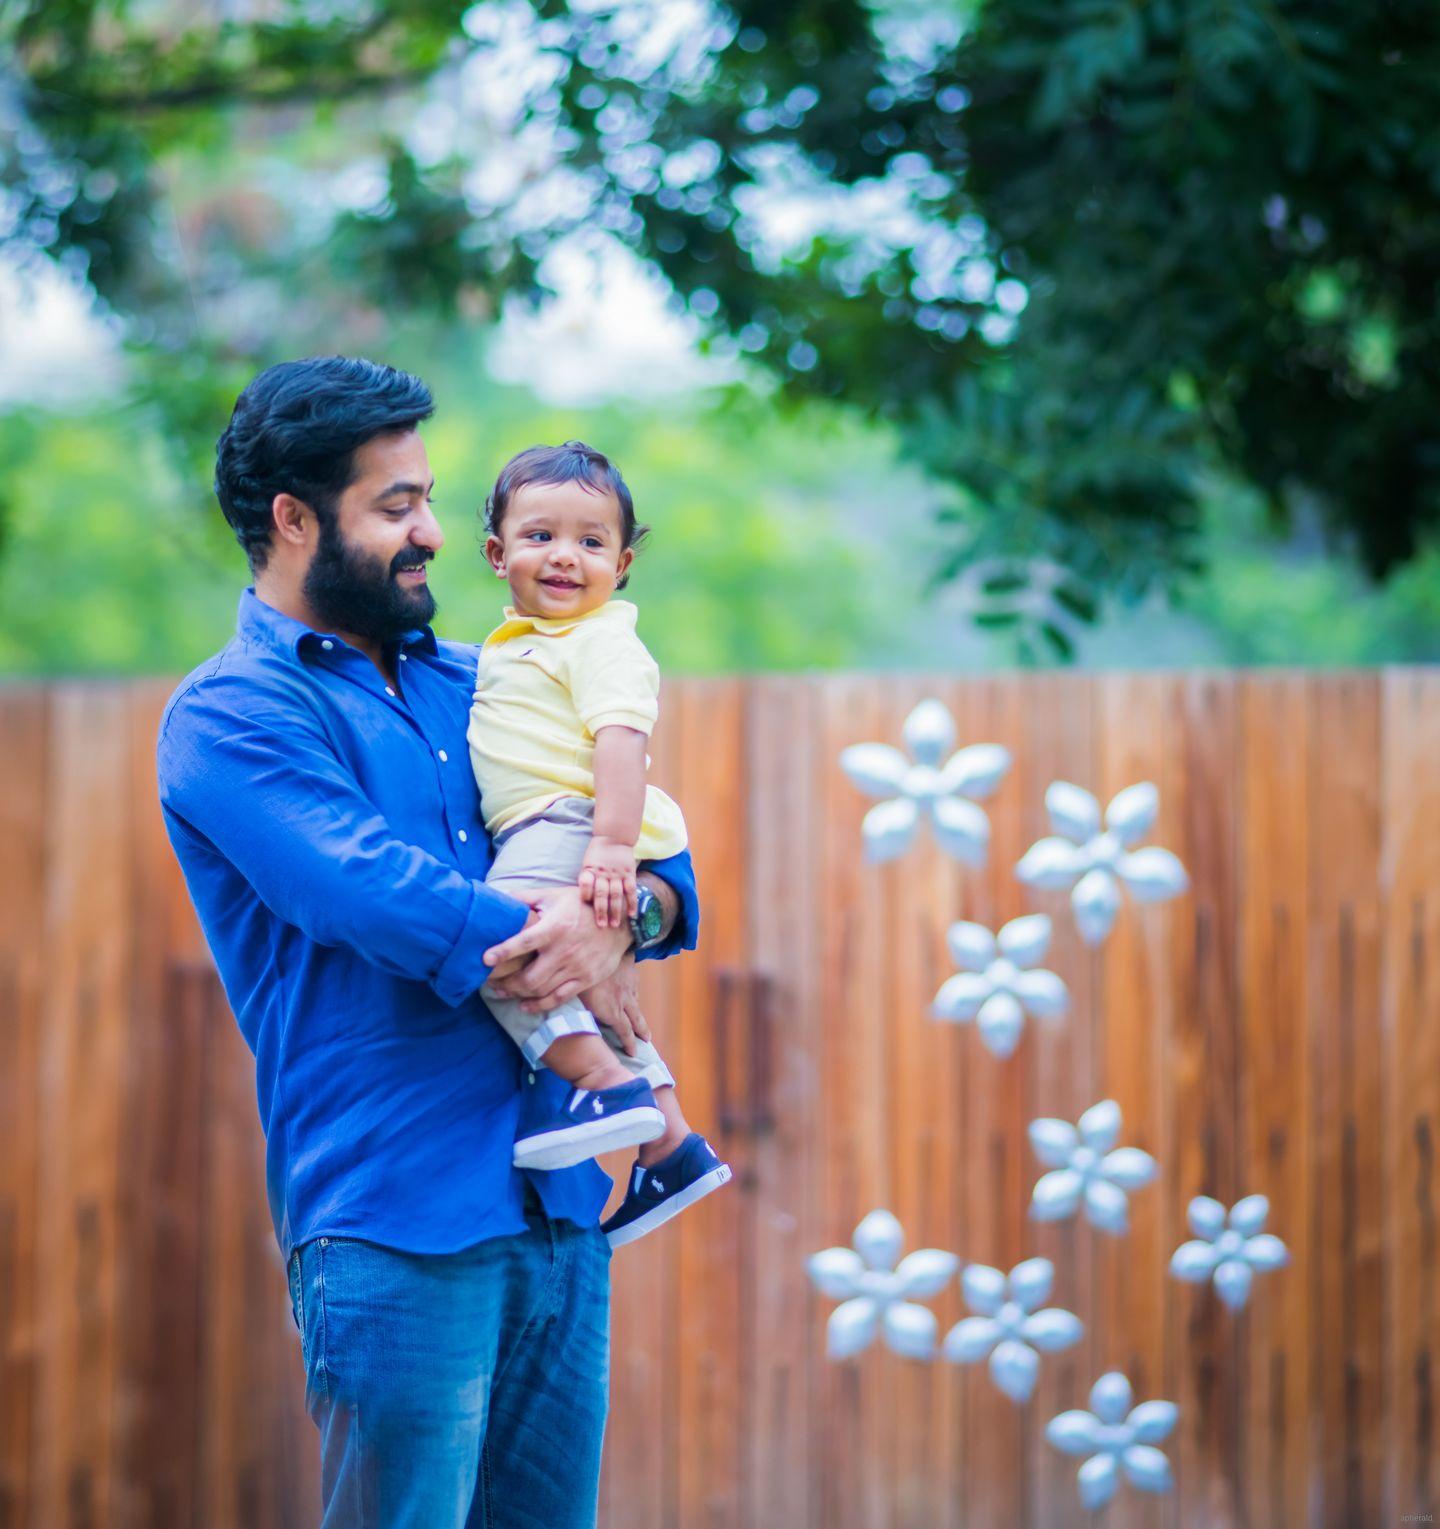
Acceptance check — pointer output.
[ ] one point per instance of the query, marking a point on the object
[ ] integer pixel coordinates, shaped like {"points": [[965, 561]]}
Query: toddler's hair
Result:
{"points": [[574, 462]]}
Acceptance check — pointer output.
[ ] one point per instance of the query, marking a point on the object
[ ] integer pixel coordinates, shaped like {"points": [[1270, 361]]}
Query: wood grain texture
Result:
{"points": [[1276, 1031]]}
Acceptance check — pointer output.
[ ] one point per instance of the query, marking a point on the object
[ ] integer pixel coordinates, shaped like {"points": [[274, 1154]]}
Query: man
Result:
{"points": [[314, 776]]}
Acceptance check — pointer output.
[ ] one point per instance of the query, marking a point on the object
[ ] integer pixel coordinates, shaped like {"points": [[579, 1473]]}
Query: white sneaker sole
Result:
{"points": [[671, 1207], [573, 1144]]}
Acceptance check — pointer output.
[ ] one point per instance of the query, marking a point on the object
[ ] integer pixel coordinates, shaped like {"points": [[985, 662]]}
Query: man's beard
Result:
{"points": [[350, 592]]}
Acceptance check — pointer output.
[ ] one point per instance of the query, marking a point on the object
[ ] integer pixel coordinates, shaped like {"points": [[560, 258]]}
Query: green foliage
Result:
{"points": [[1081, 255]]}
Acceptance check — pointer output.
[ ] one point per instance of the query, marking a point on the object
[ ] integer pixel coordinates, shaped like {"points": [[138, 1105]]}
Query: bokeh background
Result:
{"points": [[926, 331]]}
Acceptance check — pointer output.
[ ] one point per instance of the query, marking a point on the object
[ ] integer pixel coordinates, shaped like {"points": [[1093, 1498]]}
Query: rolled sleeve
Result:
{"points": [[678, 872]]}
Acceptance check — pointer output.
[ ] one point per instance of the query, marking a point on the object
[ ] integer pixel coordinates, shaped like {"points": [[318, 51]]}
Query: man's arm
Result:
{"points": [[251, 774]]}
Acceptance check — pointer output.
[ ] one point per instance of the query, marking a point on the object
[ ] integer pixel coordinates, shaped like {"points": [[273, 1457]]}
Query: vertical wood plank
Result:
{"points": [[1275, 1102], [25, 735], [85, 1008], [1347, 1188], [1410, 1023]]}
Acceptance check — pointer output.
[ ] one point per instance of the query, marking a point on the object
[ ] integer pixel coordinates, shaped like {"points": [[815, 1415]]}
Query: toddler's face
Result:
{"points": [[560, 548]]}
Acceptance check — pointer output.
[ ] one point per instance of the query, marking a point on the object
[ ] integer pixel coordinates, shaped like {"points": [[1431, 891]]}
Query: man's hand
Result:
{"points": [[607, 879], [615, 1002], [574, 953]]}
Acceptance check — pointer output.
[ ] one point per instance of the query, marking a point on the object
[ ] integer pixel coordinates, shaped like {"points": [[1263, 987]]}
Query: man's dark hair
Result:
{"points": [[574, 462], [295, 430]]}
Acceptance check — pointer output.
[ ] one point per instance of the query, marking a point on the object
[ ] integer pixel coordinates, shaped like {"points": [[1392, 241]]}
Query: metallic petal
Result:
{"points": [[1031, 1282], [976, 771], [1042, 993], [1000, 1021], [962, 829], [1074, 1433], [1152, 875], [1050, 864], [1129, 1167], [1146, 1468], [1053, 1141], [1056, 1195], [1100, 1125], [876, 768], [1098, 1478], [878, 1240], [1206, 1217], [1106, 1207], [1153, 1422], [1111, 1398], [984, 1288], [1024, 940], [1131, 813], [1073, 811], [835, 1272], [971, 1339], [1193, 1261], [1052, 1329], [1266, 1252], [889, 828], [1247, 1216], [851, 1327], [972, 947], [910, 1330], [925, 1272], [929, 732], [960, 997], [1095, 901], [1232, 1282], [1014, 1367]]}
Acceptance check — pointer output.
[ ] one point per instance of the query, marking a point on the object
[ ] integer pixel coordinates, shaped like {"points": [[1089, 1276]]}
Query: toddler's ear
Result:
{"points": [[495, 555]]}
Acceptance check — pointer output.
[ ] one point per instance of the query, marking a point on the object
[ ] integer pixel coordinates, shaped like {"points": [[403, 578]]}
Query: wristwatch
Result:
{"points": [[649, 921]]}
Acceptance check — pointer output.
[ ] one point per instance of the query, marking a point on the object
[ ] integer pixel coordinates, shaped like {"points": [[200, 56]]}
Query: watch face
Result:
{"points": [[648, 916]]}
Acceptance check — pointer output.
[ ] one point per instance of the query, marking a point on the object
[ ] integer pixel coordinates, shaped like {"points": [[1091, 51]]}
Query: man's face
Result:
{"points": [[368, 575]]}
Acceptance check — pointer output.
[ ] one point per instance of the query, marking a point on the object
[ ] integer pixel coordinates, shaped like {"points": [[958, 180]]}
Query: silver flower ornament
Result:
{"points": [[1229, 1249], [1088, 1168], [1095, 862], [1010, 1330], [1118, 1439], [923, 789], [877, 1293], [998, 982]]}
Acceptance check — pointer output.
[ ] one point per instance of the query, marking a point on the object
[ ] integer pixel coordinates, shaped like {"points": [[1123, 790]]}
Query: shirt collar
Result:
{"points": [[261, 623], [612, 613]]}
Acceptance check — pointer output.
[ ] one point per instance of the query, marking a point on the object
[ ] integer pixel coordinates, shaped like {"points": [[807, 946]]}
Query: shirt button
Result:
{"points": [[444, 757], [389, 691], [326, 644], [463, 836], [404, 658]]}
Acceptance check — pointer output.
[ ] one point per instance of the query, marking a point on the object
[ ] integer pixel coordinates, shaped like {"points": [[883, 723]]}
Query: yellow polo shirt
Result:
{"points": [[543, 688]]}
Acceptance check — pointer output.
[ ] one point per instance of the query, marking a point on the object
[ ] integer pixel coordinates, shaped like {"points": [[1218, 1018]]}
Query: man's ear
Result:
{"points": [[495, 555], [291, 517]]}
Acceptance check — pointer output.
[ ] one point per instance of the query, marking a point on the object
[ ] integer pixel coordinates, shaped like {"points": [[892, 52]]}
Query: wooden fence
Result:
{"points": [[1277, 1030]]}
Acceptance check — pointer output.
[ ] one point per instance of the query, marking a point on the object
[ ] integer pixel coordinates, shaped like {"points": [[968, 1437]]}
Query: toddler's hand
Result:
{"points": [[607, 880]]}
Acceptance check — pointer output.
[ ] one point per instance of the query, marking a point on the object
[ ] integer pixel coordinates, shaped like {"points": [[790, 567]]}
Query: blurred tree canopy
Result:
{"points": [[1080, 254]]}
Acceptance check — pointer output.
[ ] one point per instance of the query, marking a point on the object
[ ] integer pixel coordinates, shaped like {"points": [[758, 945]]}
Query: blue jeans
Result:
{"points": [[458, 1391]]}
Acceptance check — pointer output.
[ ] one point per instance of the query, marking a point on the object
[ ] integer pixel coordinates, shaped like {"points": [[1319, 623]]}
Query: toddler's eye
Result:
{"points": [[592, 541], [538, 536]]}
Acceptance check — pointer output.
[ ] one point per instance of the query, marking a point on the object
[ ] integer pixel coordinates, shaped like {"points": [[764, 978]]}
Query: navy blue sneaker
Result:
{"points": [[666, 1188], [587, 1123]]}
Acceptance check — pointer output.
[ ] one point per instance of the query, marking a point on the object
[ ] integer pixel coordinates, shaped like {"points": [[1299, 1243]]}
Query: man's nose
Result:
{"points": [[426, 531]]}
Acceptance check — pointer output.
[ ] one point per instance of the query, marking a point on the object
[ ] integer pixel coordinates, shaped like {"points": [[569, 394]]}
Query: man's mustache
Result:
{"points": [[410, 557]]}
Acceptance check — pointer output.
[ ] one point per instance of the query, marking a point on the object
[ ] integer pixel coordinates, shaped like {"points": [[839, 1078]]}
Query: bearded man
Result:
{"points": [[314, 777]]}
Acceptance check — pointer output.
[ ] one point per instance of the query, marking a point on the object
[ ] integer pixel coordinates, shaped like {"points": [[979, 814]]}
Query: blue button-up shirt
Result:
{"points": [[329, 828]]}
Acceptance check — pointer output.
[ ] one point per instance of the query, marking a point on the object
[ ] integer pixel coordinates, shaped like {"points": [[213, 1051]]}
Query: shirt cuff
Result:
{"points": [[493, 917], [678, 874], [641, 721]]}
